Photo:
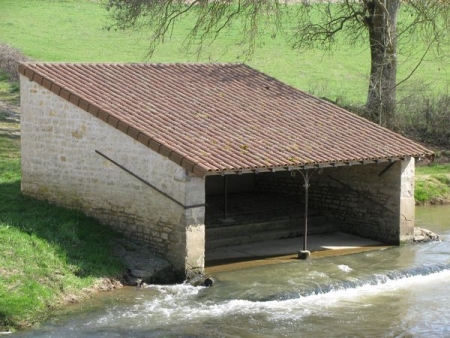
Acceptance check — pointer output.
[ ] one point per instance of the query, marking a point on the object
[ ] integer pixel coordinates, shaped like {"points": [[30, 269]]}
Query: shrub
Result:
{"points": [[9, 60], [425, 118], [420, 116]]}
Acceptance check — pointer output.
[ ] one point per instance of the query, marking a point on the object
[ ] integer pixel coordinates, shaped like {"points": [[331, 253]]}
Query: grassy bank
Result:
{"points": [[433, 184], [48, 255]]}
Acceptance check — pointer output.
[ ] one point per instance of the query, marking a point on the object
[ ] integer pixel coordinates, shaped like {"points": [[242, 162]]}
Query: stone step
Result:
{"points": [[235, 237], [256, 227], [214, 220]]}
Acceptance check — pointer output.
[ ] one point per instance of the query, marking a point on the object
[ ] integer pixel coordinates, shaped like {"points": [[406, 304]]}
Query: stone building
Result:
{"points": [[158, 151]]}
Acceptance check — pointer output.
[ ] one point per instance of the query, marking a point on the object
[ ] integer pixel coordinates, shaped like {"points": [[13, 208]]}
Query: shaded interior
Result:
{"points": [[251, 198]]}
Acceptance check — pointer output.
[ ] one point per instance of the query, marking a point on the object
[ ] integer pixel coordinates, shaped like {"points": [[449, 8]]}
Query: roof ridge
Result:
{"points": [[189, 63]]}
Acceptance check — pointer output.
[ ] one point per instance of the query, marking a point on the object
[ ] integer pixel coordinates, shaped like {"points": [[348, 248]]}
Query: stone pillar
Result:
{"points": [[195, 242], [195, 227], [187, 250], [407, 202]]}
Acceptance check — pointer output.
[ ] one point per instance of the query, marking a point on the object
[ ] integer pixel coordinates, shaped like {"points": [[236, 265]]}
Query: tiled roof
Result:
{"points": [[211, 118]]}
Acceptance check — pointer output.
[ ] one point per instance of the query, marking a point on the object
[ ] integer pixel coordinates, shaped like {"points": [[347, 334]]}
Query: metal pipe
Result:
{"points": [[149, 184]]}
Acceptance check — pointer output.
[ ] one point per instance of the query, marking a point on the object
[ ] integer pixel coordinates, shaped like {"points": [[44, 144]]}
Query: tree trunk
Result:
{"points": [[381, 98]]}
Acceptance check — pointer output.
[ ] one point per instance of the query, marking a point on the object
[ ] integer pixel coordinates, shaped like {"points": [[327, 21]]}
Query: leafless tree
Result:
{"points": [[372, 22]]}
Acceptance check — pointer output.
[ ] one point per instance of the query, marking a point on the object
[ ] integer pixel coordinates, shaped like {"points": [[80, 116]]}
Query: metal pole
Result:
{"points": [[225, 197], [306, 174], [305, 230]]}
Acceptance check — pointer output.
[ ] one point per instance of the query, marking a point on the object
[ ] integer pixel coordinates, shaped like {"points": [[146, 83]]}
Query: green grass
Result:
{"points": [[433, 184], [72, 30], [48, 254], [433, 169]]}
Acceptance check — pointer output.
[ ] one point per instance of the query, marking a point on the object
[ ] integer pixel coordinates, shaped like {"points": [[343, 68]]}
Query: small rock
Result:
{"points": [[200, 280], [424, 236], [304, 254], [208, 282], [143, 265]]}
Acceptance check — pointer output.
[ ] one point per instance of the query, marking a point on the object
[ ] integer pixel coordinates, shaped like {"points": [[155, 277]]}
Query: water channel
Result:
{"points": [[396, 292]]}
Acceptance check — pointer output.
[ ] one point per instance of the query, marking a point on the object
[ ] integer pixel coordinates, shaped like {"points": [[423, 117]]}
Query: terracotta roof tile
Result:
{"points": [[220, 117]]}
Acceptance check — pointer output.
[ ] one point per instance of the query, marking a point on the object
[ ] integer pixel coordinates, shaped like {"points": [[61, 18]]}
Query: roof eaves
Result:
{"points": [[315, 165]]}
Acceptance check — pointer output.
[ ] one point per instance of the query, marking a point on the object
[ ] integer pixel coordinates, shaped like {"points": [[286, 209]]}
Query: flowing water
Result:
{"points": [[396, 292]]}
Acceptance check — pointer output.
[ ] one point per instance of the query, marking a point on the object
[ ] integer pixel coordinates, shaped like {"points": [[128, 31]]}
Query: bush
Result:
{"points": [[425, 118], [9, 60], [421, 117]]}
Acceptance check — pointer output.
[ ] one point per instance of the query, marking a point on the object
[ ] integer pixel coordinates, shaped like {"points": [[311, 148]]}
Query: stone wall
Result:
{"points": [[61, 164], [365, 200], [360, 201], [279, 182]]}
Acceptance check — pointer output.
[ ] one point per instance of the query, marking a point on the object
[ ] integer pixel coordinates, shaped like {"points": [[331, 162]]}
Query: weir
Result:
{"points": [[375, 279]]}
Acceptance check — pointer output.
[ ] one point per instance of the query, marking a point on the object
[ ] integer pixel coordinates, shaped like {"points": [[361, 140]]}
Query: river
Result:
{"points": [[396, 292]]}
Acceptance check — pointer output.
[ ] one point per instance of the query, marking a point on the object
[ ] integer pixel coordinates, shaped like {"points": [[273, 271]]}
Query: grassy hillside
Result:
{"points": [[72, 30]]}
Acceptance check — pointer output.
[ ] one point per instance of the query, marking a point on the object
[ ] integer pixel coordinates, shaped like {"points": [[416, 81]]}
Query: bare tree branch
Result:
{"points": [[417, 65]]}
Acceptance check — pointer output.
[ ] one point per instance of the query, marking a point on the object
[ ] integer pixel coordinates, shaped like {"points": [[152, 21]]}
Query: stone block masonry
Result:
{"points": [[374, 201], [368, 200], [62, 163]]}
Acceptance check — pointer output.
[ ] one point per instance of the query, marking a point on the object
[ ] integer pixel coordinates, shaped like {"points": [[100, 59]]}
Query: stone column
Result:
{"points": [[407, 201], [195, 242], [195, 227], [187, 249]]}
